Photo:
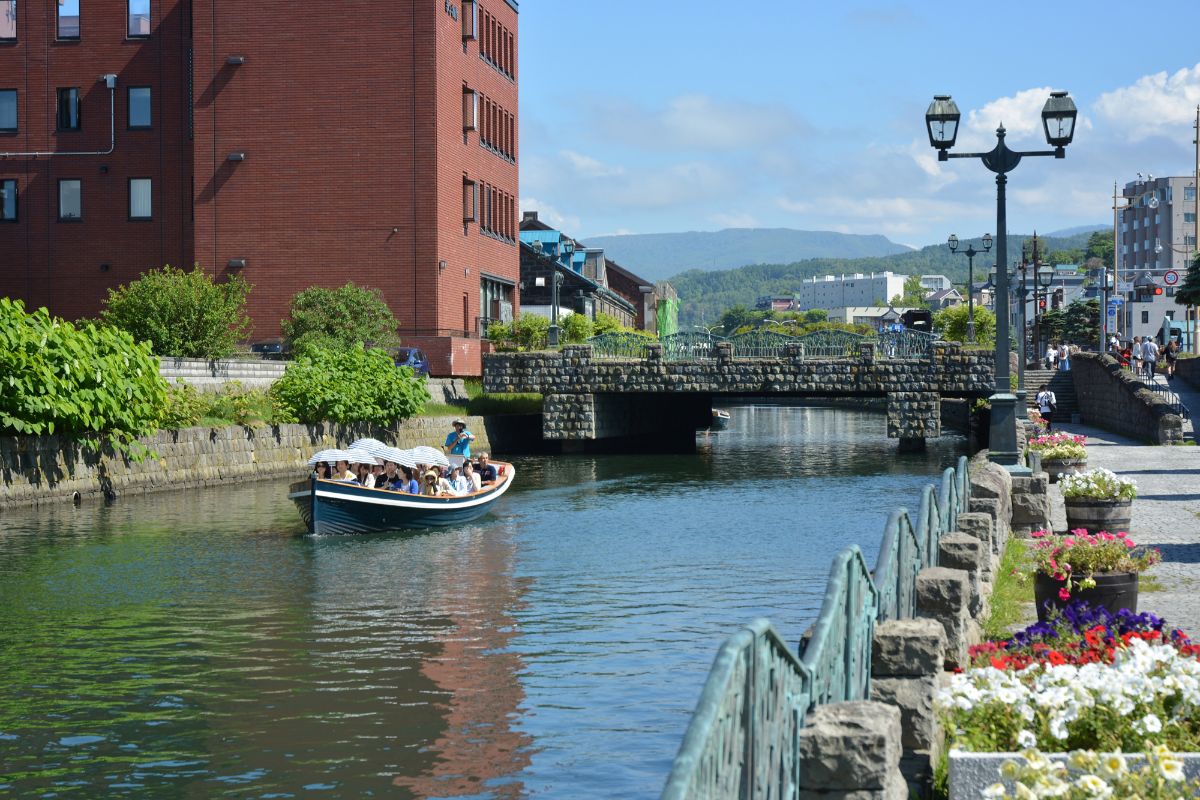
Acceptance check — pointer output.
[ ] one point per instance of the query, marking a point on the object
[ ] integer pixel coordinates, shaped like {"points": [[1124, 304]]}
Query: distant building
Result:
{"points": [[944, 298], [843, 291], [776, 302], [866, 315], [1157, 233], [936, 283]]}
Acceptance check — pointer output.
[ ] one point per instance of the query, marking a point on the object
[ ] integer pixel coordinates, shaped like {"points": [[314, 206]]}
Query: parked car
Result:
{"points": [[272, 351], [412, 357]]}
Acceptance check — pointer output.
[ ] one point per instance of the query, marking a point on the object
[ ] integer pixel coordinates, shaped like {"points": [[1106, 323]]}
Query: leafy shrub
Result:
{"points": [[605, 323], [86, 382], [951, 323], [355, 385], [182, 314], [184, 408], [530, 331], [232, 405], [339, 319], [576, 328], [499, 331]]}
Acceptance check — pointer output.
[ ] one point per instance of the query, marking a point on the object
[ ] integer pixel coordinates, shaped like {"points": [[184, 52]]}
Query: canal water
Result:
{"points": [[195, 644]]}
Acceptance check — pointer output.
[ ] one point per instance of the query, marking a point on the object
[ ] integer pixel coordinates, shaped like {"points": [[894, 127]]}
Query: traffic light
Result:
{"points": [[1158, 290], [1042, 304]]}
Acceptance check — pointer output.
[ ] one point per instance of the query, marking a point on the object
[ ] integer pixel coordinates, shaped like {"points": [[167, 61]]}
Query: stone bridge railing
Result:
{"points": [[588, 397]]}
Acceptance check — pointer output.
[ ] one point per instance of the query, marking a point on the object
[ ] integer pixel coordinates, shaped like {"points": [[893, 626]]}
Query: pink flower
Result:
{"points": [[1038, 534], [1069, 542], [1063, 594], [1130, 544]]}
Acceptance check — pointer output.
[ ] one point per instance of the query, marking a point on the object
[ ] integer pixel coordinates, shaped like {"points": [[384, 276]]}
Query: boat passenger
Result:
{"points": [[487, 472], [409, 482], [458, 442], [459, 483], [377, 471], [343, 473], [363, 476], [321, 470], [429, 484], [389, 476], [472, 476]]}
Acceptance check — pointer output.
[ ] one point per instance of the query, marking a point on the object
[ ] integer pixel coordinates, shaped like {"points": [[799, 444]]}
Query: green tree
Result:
{"points": [[913, 296], [735, 317], [813, 315], [349, 385], [530, 331], [1072, 256], [182, 314], [951, 324], [88, 382], [1188, 293], [1081, 322], [1100, 245], [576, 328], [339, 319]]}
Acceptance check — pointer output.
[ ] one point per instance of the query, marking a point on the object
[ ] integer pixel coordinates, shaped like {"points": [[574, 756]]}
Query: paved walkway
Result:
{"points": [[1166, 514]]}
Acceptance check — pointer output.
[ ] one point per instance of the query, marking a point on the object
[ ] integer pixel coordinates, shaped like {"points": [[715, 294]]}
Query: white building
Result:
{"points": [[841, 291], [936, 283], [1157, 233], [864, 315]]}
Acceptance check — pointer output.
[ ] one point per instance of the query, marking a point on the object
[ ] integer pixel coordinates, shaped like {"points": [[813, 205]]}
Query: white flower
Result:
{"points": [[995, 790], [1152, 723], [1094, 786], [1112, 765], [1025, 740], [1171, 769]]}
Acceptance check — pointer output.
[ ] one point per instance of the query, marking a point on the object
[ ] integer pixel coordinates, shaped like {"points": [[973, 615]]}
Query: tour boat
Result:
{"points": [[720, 420], [336, 507]]}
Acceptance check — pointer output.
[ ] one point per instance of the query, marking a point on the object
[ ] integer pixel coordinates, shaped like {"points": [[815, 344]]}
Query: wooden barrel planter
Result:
{"points": [[1055, 467], [1099, 515], [1113, 590]]}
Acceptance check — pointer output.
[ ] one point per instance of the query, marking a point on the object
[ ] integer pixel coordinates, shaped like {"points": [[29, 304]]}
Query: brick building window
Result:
{"points": [[8, 20], [138, 19], [139, 107], [470, 109], [68, 110], [497, 44], [70, 200], [8, 110], [8, 201], [141, 206], [470, 199], [68, 19], [470, 20]]}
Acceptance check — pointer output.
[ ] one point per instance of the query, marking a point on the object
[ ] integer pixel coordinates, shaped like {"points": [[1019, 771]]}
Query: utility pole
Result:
{"points": [[1195, 332], [1037, 337]]}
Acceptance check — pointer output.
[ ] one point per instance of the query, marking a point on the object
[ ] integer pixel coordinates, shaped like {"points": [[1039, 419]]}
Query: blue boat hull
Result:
{"points": [[331, 507]]}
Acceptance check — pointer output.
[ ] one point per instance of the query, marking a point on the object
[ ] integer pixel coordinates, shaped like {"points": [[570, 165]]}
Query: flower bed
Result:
{"points": [[1088, 680], [1060, 447], [1076, 558], [1098, 484]]}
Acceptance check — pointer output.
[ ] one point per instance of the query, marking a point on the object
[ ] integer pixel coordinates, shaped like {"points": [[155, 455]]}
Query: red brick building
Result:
{"points": [[298, 145]]}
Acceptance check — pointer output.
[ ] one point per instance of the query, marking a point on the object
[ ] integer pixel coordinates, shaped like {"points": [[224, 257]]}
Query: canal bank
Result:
{"points": [[48, 469], [194, 641]]}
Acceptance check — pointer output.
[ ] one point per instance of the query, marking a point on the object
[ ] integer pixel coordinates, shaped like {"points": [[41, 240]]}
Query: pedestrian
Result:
{"points": [[1135, 351], [1046, 403], [1171, 354], [1051, 356], [1064, 357], [1114, 344], [1149, 357]]}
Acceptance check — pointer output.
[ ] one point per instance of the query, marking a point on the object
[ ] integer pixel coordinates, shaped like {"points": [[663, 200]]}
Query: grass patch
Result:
{"points": [[505, 404], [1148, 583], [1011, 592]]}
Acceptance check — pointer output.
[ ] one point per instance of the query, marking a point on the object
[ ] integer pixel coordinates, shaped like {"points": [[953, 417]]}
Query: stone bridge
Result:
{"points": [[591, 395]]}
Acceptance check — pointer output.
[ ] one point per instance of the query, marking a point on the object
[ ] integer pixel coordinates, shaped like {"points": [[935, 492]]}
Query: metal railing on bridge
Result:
{"points": [[760, 343], [1168, 396], [741, 739]]}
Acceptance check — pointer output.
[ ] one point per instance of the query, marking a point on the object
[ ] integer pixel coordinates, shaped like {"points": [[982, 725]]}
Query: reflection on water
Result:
{"points": [[194, 644]]}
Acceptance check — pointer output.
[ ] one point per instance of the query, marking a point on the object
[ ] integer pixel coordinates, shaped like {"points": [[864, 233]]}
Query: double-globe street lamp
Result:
{"points": [[1058, 121], [970, 253], [568, 248]]}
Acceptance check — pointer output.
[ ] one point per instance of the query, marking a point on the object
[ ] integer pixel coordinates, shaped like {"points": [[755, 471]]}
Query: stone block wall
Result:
{"points": [[1189, 370], [1113, 399], [914, 415], [48, 469]]}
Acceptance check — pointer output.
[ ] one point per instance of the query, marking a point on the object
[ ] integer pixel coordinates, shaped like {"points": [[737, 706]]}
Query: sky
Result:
{"points": [[653, 117]]}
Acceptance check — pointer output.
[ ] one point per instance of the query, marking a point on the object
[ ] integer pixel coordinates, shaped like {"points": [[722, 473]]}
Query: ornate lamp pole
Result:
{"points": [[970, 253], [1058, 121], [568, 248]]}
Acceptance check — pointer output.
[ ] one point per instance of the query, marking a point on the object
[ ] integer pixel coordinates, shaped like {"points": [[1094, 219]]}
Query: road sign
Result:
{"points": [[1124, 287], [1112, 312], [1170, 277], [1116, 301]]}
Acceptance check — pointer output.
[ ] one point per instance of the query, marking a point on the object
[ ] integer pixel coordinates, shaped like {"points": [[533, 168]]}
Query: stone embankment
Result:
{"points": [[867, 749], [48, 469], [1113, 399]]}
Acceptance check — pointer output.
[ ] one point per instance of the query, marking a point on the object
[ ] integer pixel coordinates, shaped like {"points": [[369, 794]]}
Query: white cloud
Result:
{"points": [[1153, 105], [733, 219], [589, 167], [697, 122], [550, 215]]}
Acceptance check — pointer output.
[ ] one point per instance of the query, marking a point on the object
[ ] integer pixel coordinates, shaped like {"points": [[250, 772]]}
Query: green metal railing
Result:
{"points": [[741, 741], [763, 343]]}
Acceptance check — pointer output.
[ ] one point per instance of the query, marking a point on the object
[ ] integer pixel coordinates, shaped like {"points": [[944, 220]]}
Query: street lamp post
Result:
{"points": [[970, 253], [568, 248], [1058, 122], [1023, 359]]}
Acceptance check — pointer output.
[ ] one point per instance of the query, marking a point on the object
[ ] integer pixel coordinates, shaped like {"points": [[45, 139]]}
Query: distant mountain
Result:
{"points": [[654, 256], [704, 295], [1078, 229]]}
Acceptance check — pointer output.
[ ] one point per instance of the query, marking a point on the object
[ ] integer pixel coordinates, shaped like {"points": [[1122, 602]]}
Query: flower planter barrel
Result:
{"points": [[1113, 590], [1099, 515], [1063, 466], [972, 773]]}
